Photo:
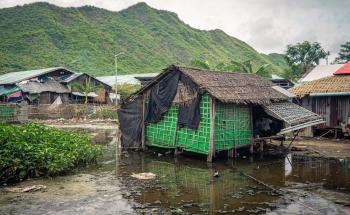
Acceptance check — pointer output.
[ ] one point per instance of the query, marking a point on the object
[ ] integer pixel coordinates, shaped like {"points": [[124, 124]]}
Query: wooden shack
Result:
{"points": [[206, 112], [100, 95], [329, 97]]}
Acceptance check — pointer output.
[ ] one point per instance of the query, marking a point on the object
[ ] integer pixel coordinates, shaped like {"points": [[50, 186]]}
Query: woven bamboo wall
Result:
{"points": [[232, 126]]}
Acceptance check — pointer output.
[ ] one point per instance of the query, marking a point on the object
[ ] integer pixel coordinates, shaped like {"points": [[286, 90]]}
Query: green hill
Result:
{"points": [[44, 35]]}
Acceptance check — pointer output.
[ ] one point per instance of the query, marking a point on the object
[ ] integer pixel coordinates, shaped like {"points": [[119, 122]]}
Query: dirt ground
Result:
{"points": [[322, 147]]}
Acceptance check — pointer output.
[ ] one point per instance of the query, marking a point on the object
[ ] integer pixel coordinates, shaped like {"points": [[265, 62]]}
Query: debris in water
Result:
{"points": [[144, 175], [33, 188], [216, 174]]}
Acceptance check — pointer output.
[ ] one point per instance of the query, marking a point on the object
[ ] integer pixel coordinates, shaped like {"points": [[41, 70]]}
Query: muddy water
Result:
{"points": [[187, 185]]}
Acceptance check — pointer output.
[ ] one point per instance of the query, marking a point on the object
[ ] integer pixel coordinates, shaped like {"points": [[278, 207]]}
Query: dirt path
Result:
{"points": [[323, 147], [85, 124]]}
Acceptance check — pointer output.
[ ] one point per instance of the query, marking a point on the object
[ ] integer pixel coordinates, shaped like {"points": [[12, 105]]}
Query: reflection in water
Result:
{"points": [[288, 165], [334, 173], [189, 183], [181, 182], [192, 183]]}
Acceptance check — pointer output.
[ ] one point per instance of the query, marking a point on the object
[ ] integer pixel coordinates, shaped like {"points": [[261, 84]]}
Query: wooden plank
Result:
{"points": [[211, 152]]}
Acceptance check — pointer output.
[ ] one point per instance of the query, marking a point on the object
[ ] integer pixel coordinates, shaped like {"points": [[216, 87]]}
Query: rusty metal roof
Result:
{"points": [[38, 87]]}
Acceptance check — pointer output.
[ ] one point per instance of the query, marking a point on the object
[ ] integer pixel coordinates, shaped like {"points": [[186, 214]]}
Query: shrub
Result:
{"points": [[125, 90], [105, 113], [34, 149]]}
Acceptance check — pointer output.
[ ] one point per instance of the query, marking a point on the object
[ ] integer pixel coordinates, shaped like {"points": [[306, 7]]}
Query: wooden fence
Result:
{"points": [[23, 112]]}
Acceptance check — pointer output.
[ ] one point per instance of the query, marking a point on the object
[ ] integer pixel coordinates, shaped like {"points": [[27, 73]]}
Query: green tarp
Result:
{"points": [[9, 91]]}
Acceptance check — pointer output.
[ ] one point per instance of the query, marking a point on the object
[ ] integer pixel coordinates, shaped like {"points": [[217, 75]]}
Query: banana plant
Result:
{"points": [[86, 88]]}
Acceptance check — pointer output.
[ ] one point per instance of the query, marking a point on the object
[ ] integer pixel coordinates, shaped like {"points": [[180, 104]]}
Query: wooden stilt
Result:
{"points": [[176, 152], [211, 152], [143, 134], [251, 127], [251, 149], [230, 153], [261, 147], [235, 141], [282, 140]]}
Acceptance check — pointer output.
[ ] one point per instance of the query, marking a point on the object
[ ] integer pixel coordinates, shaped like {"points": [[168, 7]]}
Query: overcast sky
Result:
{"points": [[267, 25]]}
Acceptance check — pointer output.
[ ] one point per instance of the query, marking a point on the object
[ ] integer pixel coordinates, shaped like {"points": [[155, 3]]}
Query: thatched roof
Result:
{"points": [[228, 87], [332, 84]]}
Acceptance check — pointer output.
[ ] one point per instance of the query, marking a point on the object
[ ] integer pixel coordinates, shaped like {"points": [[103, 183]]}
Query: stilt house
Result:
{"points": [[329, 97], [206, 111]]}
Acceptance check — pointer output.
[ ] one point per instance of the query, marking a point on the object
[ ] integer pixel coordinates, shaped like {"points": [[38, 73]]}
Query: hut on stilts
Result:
{"points": [[207, 112]]}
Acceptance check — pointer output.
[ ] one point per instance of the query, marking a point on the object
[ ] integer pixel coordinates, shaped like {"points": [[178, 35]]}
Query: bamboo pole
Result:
{"points": [[212, 127]]}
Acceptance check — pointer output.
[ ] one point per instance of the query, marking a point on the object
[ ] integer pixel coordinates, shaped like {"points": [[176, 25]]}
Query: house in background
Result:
{"points": [[35, 86], [320, 71], [125, 79], [329, 97], [45, 86], [282, 82], [100, 95]]}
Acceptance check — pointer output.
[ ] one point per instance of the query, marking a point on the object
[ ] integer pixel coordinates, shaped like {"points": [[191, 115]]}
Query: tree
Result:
{"points": [[234, 66], [248, 67], [344, 53], [303, 56], [87, 88]]}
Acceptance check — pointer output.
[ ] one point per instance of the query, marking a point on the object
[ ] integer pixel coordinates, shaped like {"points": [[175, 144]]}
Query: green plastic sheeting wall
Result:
{"points": [[232, 125]]}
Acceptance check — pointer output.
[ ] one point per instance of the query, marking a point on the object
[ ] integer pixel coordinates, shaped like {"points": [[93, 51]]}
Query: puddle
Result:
{"points": [[187, 185]]}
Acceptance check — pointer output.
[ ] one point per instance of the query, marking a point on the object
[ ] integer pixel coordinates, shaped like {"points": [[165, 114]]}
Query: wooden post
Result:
{"points": [[176, 152], [143, 134], [211, 152], [252, 129], [251, 150], [235, 140]]}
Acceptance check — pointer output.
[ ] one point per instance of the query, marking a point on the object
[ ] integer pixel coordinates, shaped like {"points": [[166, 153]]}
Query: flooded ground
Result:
{"points": [[184, 185]]}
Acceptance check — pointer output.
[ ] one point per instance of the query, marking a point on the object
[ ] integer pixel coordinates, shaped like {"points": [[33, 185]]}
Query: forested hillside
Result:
{"points": [[85, 39]]}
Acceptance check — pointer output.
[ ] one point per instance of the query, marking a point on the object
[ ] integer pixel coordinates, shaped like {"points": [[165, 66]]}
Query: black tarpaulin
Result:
{"points": [[162, 96], [130, 123], [189, 115]]}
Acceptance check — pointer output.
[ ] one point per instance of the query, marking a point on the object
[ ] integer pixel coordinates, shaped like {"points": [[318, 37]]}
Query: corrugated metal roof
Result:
{"points": [[47, 86], [71, 77], [15, 77], [320, 71], [125, 79], [284, 91], [294, 115], [344, 70], [276, 77]]}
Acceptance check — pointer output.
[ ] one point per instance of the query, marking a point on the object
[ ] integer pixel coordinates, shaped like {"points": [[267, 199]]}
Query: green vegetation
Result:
{"points": [[87, 88], [34, 150], [105, 113], [86, 38], [233, 66], [125, 90], [344, 53], [303, 56]]}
